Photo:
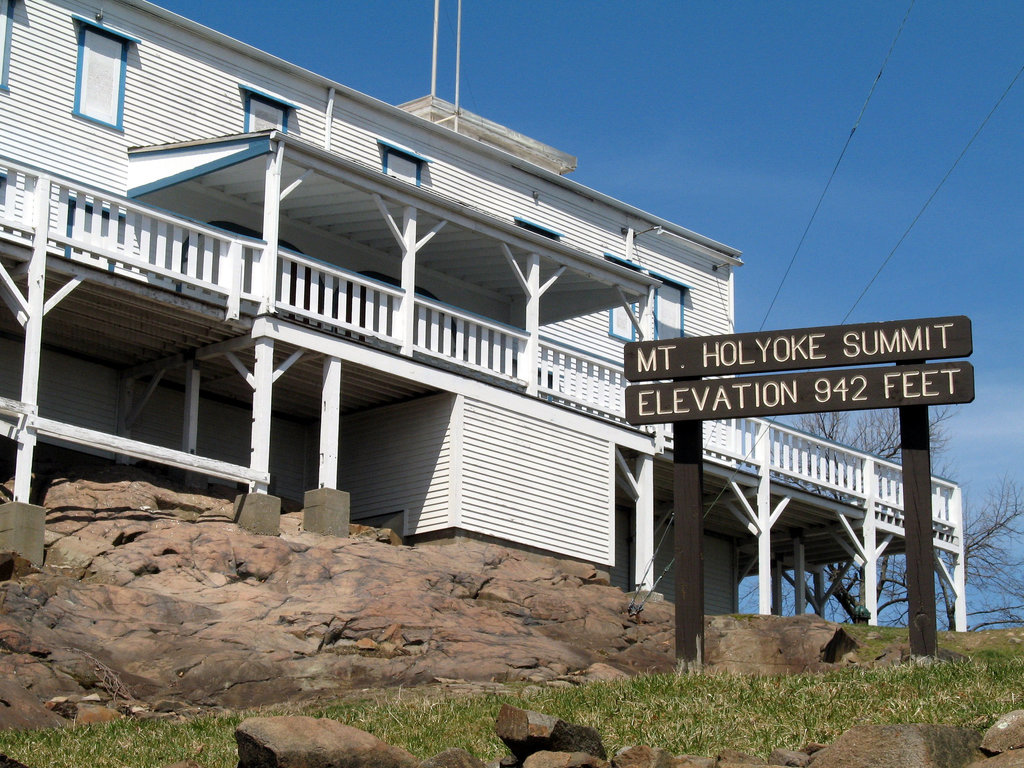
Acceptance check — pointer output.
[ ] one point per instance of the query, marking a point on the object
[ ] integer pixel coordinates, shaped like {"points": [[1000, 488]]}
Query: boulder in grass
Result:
{"points": [[1006, 733], [902, 746], [309, 742], [525, 732]]}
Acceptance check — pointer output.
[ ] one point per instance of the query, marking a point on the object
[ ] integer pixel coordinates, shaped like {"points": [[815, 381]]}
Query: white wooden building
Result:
{"points": [[215, 260]]}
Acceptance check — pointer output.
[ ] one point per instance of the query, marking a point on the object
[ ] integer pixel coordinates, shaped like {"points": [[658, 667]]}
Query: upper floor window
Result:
{"points": [[6, 31], [102, 69], [264, 112], [402, 163], [669, 298], [539, 229]]}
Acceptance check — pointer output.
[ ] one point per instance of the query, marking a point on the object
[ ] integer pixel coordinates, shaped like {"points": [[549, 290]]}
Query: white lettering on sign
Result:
{"points": [[778, 350], [716, 397], [911, 385], [649, 362], [877, 342]]}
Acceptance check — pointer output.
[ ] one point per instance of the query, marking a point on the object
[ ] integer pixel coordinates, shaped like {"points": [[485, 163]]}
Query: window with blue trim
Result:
{"points": [[402, 163], [102, 70], [669, 298], [264, 112], [6, 32]]}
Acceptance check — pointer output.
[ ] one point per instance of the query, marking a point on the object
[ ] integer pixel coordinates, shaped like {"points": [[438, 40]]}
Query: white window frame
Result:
{"points": [[395, 159], [6, 35], [254, 96], [617, 315], [86, 28]]}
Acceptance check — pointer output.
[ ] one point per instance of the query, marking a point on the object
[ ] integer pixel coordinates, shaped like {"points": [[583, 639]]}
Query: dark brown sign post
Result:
{"points": [[687, 399]]}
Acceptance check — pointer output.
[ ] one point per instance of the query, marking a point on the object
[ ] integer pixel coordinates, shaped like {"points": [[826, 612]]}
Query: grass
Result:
{"points": [[697, 714]]}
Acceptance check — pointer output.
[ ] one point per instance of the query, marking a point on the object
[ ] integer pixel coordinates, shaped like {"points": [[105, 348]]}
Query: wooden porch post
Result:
{"points": [[532, 351], [190, 429], [643, 533], [271, 228], [262, 397], [407, 313], [764, 521], [33, 338], [960, 566], [870, 533], [819, 590], [799, 569], [330, 423]]}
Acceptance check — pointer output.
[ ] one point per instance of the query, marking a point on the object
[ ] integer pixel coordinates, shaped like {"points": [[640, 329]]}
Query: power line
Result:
{"points": [[931, 197], [835, 168]]}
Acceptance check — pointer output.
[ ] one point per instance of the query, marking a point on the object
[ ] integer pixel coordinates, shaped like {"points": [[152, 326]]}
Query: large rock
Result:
{"points": [[1005, 734], [901, 746], [21, 711], [773, 645], [308, 742], [525, 732], [1011, 759]]}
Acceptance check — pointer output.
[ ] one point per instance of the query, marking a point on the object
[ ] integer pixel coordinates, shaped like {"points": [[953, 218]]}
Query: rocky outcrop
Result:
{"points": [[153, 599]]}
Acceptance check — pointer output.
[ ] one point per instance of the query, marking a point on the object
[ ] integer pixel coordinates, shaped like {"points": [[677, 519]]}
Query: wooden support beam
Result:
{"points": [[917, 523], [643, 527], [330, 423], [62, 293], [262, 401], [688, 492]]}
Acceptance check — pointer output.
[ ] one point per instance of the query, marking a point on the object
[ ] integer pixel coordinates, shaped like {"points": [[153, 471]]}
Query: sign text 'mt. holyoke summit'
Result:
{"points": [[806, 392], [938, 338]]}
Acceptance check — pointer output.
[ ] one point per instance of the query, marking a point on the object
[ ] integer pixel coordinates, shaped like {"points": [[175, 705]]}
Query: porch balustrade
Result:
{"points": [[138, 242]]}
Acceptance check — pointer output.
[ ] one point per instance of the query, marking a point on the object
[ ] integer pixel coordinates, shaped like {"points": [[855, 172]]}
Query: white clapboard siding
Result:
{"points": [[720, 582], [224, 434], [531, 482], [90, 403], [398, 458], [183, 83], [38, 126]]}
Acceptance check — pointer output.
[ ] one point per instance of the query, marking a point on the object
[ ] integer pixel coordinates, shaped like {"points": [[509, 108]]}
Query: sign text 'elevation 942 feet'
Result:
{"points": [[850, 389], [833, 346]]}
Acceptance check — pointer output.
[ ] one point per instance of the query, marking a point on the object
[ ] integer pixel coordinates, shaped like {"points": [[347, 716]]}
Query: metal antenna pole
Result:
{"points": [[433, 63], [458, 64]]}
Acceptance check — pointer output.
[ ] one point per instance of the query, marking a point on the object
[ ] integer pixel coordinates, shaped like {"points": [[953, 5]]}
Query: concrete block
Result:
{"points": [[22, 527], [326, 511], [258, 513]]}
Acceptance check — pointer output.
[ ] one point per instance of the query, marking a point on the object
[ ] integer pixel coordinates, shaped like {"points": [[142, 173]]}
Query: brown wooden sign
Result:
{"points": [[807, 392], [832, 346]]}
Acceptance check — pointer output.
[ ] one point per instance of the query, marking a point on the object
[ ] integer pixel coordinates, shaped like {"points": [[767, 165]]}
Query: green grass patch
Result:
{"points": [[695, 714]]}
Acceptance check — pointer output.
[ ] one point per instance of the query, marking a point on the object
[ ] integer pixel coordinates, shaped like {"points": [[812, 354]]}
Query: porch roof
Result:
{"points": [[333, 200]]}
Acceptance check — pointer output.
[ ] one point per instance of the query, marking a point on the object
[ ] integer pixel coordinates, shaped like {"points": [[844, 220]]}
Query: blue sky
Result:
{"points": [[727, 118]]}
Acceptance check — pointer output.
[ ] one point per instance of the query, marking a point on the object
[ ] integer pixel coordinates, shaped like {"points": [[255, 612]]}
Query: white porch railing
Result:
{"points": [[115, 234], [334, 297]]}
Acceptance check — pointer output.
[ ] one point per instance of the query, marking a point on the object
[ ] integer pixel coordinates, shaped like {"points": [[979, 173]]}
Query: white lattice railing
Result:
{"points": [[335, 297], [576, 378], [474, 342]]}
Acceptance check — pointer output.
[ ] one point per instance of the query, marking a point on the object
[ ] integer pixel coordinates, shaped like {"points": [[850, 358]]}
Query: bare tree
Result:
{"points": [[993, 529]]}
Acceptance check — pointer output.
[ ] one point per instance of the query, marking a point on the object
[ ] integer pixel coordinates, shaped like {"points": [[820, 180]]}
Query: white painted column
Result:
{"points": [[647, 314], [407, 310], [271, 228], [262, 399], [36, 299], [190, 429], [531, 355], [643, 533], [764, 520], [870, 534], [956, 514], [799, 570], [330, 423]]}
